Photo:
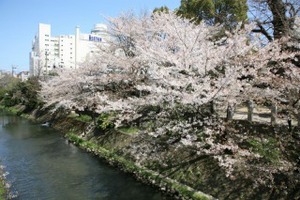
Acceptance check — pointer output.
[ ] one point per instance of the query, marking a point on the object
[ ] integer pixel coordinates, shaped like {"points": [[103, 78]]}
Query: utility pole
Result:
{"points": [[13, 67]]}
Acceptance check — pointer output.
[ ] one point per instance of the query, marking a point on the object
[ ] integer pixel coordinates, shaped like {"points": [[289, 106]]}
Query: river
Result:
{"points": [[41, 164]]}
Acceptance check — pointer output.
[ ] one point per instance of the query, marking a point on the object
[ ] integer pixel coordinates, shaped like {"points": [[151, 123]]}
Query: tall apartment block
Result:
{"points": [[63, 51]]}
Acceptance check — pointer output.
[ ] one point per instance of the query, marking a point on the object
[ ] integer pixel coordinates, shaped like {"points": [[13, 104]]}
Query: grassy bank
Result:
{"points": [[2, 190], [146, 175], [13, 110]]}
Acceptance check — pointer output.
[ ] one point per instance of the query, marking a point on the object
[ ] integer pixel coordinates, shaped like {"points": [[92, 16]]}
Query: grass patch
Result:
{"points": [[267, 148], [128, 130], [27, 116], [74, 138], [2, 190], [105, 121], [83, 118], [199, 196], [12, 110]]}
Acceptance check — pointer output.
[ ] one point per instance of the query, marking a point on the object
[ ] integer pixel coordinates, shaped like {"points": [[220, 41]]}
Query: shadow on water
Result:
{"points": [[43, 165]]}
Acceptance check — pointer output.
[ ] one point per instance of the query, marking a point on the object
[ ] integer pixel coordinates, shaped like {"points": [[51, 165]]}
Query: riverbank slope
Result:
{"points": [[177, 167]]}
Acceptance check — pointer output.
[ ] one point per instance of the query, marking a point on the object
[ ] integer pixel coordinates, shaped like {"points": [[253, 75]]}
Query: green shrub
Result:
{"points": [[267, 148], [25, 93], [105, 121]]}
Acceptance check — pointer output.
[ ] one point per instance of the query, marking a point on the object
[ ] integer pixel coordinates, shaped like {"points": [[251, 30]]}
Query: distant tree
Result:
{"points": [[29, 93], [275, 18], [25, 93], [161, 9], [227, 12], [7, 83]]}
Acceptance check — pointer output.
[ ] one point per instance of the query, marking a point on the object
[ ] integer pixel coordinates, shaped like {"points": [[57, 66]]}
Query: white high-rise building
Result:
{"points": [[63, 51]]}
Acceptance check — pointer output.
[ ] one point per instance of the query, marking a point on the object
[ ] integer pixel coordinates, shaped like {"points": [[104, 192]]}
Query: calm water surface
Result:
{"points": [[43, 165]]}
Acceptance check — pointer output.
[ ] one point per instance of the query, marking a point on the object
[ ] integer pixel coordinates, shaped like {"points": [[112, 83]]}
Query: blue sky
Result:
{"points": [[19, 21]]}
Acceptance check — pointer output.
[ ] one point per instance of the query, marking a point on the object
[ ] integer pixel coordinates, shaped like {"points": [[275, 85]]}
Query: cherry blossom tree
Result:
{"points": [[178, 58], [159, 60], [166, 59], [276, 76]]}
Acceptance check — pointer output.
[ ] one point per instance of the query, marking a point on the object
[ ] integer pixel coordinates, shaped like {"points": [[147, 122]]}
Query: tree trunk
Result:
{"points": [[280, 21]]}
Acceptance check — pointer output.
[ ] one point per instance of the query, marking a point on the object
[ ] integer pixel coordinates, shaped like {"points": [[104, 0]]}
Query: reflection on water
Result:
{"points": [[43, 165]]}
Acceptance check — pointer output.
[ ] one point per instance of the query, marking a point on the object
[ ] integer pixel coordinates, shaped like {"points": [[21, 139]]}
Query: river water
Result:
{"points": [[41, 164]]}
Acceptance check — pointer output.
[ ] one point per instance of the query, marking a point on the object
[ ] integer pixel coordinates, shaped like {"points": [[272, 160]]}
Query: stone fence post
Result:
{"points": [[298, 119], [289, 121], [212, 107], [250, 110], [273, 114], [230, 111]]}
